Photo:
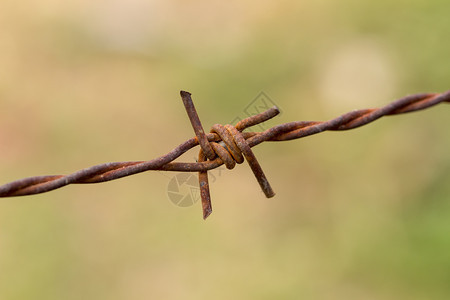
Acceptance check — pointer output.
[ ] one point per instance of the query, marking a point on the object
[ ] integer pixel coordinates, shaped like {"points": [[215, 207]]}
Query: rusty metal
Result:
{"points": [[223, 145], [235, 145], [252, 161], [196, 124], [204, 187]]}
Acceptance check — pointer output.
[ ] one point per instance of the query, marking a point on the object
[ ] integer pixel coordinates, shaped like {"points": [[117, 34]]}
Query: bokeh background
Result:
{"points": [[362, 214]]}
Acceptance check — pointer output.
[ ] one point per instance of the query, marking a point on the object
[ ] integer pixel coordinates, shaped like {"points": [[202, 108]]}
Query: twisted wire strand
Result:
{"points": [[283, 132]]}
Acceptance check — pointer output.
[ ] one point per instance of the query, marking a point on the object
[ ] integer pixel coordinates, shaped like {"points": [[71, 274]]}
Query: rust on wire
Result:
{"points": [[223, 145]]}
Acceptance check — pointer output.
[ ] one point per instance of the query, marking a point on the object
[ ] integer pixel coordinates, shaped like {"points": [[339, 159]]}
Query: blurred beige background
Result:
{"points": [[363, 214]]}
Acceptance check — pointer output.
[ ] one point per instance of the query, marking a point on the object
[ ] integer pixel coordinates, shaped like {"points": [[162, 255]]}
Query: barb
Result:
{"points": [[223, 145]]}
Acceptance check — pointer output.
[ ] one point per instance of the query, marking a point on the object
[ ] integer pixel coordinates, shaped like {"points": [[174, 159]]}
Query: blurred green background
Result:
{"points": [[363, 214]]}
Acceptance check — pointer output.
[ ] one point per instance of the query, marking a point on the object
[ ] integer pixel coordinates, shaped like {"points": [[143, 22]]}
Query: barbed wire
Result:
{"points": [[223, 145]]}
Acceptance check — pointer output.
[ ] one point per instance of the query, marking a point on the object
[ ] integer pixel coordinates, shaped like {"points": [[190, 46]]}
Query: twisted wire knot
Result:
{"points": [[231, 148], [228, 150]]}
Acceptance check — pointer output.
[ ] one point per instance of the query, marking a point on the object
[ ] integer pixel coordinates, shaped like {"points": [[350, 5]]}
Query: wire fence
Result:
{"points": [[225, 144]]}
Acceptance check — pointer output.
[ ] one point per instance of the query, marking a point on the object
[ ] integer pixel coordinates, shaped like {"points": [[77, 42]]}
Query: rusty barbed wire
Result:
{"points": [[223, 145]]}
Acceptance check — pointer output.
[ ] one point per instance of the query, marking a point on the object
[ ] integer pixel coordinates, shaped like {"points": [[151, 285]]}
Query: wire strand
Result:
{"points": [[282, 132]]}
